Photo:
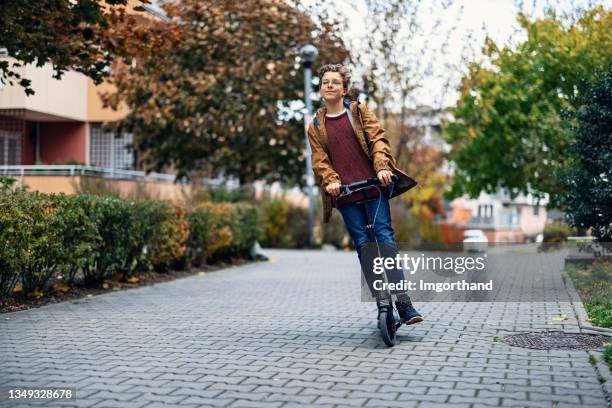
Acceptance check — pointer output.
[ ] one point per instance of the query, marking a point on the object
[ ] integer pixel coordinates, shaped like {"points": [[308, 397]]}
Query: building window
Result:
{"points": [[485, 211], [110, 149], [10, 148], [514, 216]]}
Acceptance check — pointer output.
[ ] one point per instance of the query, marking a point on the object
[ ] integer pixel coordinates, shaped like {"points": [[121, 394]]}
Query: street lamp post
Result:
{"points": [[308, 53]]}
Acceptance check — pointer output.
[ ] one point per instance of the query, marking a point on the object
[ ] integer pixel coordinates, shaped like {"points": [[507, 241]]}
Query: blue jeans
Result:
{"points": [[355, 219]]}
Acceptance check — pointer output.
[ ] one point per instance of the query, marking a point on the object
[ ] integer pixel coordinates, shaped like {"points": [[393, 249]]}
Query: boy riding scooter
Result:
{"points": [[349, 145]]}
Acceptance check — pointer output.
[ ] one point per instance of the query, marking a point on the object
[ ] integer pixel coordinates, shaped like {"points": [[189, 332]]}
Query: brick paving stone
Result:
{"points": [[349, 402], [437, 405], [120, 404], [287, 342]]}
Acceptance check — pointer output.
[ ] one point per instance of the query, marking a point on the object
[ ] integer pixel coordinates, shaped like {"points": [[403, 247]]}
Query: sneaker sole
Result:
{"points": [[415, 319]]}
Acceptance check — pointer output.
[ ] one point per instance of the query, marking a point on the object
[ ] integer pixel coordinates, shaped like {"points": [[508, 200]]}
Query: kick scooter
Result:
{"points": [[388, 320]]}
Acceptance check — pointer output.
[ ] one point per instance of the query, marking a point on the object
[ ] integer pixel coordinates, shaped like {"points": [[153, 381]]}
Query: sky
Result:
{"points": [[462, 25]]}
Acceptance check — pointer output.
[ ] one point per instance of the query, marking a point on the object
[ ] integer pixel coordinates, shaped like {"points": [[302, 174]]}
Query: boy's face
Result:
{"points": [[331, 87]]}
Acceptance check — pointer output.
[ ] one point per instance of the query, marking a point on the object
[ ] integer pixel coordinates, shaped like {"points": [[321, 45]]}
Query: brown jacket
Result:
{"points": [[379, 151]]}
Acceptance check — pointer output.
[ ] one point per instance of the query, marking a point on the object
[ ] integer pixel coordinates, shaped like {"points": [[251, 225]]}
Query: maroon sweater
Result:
{"points": [[348, 158]]}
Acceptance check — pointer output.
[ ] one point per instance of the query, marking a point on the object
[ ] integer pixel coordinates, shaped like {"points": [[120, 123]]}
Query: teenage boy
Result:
{"points": [[342, 155]]}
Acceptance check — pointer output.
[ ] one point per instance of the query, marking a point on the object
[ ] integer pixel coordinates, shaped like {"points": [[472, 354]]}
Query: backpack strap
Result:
{"points": [[365, 135]]}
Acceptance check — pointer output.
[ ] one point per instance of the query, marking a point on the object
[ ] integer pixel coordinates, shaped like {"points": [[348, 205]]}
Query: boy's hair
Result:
{"points": [[344, 72]]}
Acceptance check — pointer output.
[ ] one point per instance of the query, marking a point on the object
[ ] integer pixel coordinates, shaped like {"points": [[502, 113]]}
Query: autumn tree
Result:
{"points": [[84, 36], [221, 95], [508, 132], [400, 53]]}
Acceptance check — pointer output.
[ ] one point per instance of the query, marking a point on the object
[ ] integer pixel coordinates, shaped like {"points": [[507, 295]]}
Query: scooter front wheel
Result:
{"points": [[387, 327]]}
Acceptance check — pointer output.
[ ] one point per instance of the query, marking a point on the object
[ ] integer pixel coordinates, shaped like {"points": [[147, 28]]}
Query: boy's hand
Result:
{"points": [[333, 188], [385, 177]]}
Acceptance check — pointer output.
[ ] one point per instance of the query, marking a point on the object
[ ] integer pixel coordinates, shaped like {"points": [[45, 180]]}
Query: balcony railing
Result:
{"points": [[80, 170], [492, 223]]}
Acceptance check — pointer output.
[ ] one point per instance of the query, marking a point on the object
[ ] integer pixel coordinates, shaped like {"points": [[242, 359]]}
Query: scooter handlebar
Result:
{"points": [[372, 181]]}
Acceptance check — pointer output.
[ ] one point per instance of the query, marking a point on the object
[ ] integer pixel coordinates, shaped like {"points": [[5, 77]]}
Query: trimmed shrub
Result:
{"points": [[334, 232], [107, 237], [274, 223], [297, 222], [200, 235], [122, 227], [557, 232], [246, 229], [13, 249], [166, 242], [283, 225], [31, 246], [235, 229], [79, 235]]}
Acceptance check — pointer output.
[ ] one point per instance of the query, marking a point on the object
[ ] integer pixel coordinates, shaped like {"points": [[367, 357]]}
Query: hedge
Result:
{"points": [[285, 225], [86, 239]]}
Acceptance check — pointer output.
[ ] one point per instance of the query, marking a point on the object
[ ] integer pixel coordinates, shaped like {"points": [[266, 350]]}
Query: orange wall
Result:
{"points": [[95, 110], [158, 190], [63, 141]]}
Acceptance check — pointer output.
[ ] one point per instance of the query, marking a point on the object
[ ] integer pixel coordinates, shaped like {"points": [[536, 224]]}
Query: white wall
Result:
{"points": [[65, 98]]}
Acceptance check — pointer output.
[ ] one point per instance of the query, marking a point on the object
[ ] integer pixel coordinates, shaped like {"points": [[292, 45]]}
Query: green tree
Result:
{"points": [[508, 132], [216, 97], [83, 35], [587, 177]]}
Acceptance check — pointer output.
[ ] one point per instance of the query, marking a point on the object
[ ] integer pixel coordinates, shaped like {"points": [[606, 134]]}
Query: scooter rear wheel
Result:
{"points": [[387, 327]]}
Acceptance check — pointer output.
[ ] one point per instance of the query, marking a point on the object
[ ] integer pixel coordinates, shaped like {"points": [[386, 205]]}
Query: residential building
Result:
{"points": [[63, 124], [502, 218]]}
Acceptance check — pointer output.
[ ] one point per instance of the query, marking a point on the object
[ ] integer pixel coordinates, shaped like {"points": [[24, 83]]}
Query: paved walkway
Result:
{"points": [[290, 332]]}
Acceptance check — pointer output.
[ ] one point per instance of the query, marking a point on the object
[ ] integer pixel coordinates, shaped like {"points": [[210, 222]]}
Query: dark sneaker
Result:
{"points": [[407, 313]]}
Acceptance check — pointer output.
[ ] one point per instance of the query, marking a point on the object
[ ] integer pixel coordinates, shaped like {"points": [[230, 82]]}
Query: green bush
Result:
{"points": [[79, 235], [122, 227], [283, 225], [297, 221], [274, 223], [225, 195], [557, 232], [200, 233], [166, 241], [235, 229], [13, 251], [31, 242], [334, 232], [246, 229], [101, 237]]}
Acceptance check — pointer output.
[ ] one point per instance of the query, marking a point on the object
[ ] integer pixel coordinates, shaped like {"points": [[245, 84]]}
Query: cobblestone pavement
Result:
{"points": [[290, 332]]}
